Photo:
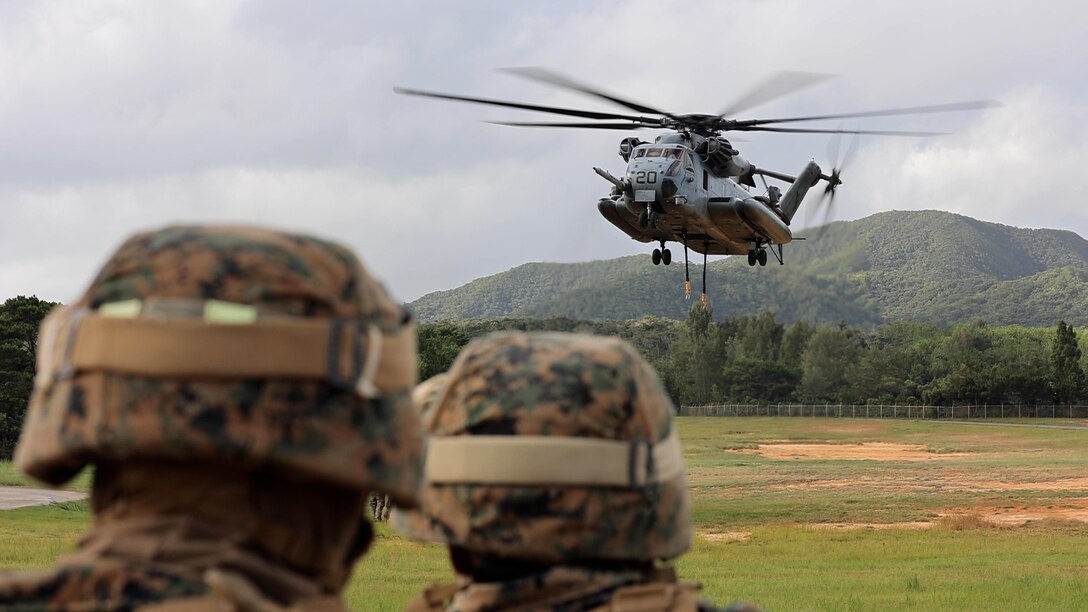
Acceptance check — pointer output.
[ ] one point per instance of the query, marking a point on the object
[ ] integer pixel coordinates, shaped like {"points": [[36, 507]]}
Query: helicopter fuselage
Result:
{"points": [[670, 193]]}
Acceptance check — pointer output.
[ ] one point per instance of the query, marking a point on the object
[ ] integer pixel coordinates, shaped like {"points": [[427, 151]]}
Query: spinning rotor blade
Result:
{"points": [[591, 126], [827, 198], [532, 107], [851, 153], [551, 78], [775, 86], [829, 131], [913, 110], [833, 144], [705, 125]]}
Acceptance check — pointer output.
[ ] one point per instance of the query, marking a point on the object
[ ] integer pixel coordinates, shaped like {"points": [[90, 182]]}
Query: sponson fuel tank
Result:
{"points": [[754, 214]]}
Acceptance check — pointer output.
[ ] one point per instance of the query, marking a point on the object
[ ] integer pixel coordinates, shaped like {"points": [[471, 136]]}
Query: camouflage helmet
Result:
{"points": [[552, 447], [427, 391], [229, 343]]}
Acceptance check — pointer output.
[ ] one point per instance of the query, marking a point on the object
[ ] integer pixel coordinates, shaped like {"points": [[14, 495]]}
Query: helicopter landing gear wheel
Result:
{"points": [[752, 257], [762, 257], [656, 256], [643, 219], [654, 219], [666, 257]]}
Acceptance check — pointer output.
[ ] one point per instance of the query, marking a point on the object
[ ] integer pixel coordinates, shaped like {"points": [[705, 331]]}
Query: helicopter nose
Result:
{"points": [[651, 165]]}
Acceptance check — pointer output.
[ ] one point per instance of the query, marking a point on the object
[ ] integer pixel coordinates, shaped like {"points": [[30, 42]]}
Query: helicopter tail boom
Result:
{"points": [[791, 200]]}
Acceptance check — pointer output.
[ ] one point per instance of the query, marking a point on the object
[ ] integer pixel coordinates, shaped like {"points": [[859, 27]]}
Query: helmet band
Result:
{"points": [[548, 460], [343, 353]]}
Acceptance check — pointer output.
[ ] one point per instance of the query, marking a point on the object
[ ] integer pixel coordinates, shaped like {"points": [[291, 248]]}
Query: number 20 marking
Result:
{"points": [[646, 176]]}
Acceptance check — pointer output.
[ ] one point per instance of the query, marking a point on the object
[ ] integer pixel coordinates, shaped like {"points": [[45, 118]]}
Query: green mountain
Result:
{"points": [[926, 266]]}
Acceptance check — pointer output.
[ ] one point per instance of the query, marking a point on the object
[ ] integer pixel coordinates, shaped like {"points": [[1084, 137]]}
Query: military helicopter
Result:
{"points": [[690, 185]]}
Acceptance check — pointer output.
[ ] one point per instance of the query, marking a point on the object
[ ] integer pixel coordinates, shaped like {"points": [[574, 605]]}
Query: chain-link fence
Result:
{"points": [[889, 411]]}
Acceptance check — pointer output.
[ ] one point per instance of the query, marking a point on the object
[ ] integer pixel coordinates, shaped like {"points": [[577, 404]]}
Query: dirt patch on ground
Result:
{"points": [[1071, 510], [848, 526], [1068, 484], [1067, 510], [725, 536], [930, 483], [865, 451]]}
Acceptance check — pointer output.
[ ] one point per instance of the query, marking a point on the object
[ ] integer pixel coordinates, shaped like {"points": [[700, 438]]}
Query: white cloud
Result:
{"points": [[119, 115], [411, 233], [1017, 165]]}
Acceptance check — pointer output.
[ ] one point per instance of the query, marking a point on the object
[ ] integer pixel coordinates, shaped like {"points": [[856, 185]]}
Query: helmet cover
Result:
{"points": [[179, 350], [558, 401]]}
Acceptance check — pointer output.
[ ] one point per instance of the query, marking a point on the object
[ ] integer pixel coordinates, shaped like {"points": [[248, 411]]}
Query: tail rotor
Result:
{"points": [[827, 198]]}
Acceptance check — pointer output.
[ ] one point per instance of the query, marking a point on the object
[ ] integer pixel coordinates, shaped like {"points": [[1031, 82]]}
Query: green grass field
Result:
{"points": [[10, 477], [958, 517]]}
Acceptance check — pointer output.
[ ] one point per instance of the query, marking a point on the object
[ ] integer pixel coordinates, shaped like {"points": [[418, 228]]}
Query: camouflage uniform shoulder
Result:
{"points": [[105, 586], [664, 596], [567, 589]]}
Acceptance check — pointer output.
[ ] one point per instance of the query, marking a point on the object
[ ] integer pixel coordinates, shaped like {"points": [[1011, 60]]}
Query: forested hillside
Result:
{"points": [[917, 266], [915, 307]]}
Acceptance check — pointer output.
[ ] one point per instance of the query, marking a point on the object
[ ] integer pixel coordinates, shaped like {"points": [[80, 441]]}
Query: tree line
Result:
{"points": [[747, 359], [758, 359], [19, 321]]}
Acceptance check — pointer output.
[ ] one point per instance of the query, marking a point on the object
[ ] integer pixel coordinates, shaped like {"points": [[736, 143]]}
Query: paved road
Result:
{"points": [[20, 497]]}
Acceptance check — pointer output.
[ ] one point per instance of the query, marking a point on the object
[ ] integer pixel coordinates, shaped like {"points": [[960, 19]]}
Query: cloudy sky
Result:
{"points": [[117, 116]]}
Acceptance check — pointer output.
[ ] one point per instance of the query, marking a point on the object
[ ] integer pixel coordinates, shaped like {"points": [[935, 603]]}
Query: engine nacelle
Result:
{"points": [[721, 158], [627, 146]]}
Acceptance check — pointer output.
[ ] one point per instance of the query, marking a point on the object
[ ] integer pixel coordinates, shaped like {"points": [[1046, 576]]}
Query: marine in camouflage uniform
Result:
{"points": [[380, 507], [239, 391], [554, 473]]}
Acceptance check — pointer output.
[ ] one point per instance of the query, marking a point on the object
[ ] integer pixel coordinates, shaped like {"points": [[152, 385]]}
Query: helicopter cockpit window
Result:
{"points": [[685, 159], [653, 153], [640, 153]]}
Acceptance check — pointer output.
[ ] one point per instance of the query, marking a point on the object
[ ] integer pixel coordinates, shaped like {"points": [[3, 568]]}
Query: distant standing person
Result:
{"points": [[239, 391], [380, 507], [554, 473]]}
